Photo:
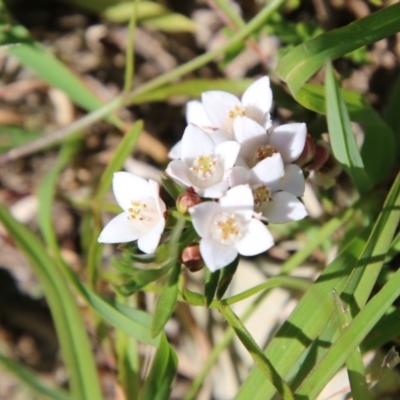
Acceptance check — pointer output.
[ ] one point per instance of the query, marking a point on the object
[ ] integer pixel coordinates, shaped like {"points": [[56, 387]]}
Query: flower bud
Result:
{"points": [[327, 175], [186, 200], [191, 257], [321, 154], [308, 152]]}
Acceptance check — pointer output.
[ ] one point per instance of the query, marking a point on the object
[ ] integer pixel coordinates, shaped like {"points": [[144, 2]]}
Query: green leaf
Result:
{"points": [[173, 189], [387, 329], [378, 149], [171, 23], [306, 59], [355, 367], [121, 12], [392, 112], [342, 138], [226, 277], [354, 272], [166, 302], [71, 332], [157, 385], [265, 365], [351, 338], [211, 284], [31, 380], [142, 278]]}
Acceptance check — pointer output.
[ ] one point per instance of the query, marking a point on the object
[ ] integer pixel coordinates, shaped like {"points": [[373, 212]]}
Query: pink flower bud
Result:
{"points": [[321, 155], [186, 200], [191, 257], [308, 152]]}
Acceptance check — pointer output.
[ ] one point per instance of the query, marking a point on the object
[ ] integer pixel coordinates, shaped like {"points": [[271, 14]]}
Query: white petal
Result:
{"points": [[202, 215], [216, 255], [227, 152], [148, 242], [249, 134], [195, 114], [269, 171], [219, 136], [283, 208], [238, 176], [217, 105], [128, 187], [214, 191], [293, 181], [259, 94], [289, 140], [119, 230], [195, 142], [155, 189], [239, 200], [179, 171], [175, 151], [257, 239]]}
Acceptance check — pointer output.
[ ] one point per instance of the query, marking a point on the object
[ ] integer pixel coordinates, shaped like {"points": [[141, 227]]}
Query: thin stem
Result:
{"points": [[128, 98], [219, 348], [256, 353], [196, 299], [130, 54]]}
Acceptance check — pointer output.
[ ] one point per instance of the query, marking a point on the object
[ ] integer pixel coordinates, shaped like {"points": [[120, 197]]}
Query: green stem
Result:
{"points": [[219, 348], [256, 353], [130, 54], [196, 299]]}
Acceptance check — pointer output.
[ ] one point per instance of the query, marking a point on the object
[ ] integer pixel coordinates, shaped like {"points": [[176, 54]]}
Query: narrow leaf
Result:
{"points": [[342, 138], [355, 367], [157, 385], [226, 277], [31, 380], [166, 302], [306, 59], [210, 286]]}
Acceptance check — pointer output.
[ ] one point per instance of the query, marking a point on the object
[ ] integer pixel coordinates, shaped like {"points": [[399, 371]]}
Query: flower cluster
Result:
{"points": [[232, 155]]}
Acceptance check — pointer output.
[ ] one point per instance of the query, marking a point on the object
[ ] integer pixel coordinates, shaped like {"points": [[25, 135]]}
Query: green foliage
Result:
{"points": [[322, 334]]}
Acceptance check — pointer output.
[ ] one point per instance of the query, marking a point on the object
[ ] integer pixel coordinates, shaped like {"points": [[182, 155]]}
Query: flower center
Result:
{"points": [[261, 194], [205, 171], [227, 228], [143, 214], [237, 112], [261, 153]]}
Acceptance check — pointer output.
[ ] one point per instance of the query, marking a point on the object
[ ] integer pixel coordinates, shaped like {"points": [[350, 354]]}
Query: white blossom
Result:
{"points": [[142, 218], [227, 228], [202, 164]]}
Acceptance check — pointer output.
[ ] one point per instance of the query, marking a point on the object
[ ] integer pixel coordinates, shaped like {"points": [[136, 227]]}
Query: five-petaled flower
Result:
{"points": [[143, 216], [227, 228], [202, 164]]}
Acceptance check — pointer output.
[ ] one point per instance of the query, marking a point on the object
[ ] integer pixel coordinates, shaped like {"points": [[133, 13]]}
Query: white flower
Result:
{"points": [[202, 164], [275, 205], [227, 228], [143, 216], [257, 144], [285, 143], [222, 108]]}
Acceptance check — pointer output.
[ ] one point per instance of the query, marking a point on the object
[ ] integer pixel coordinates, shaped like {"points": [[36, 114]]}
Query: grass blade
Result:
{"points": [[163, 371], [31, 381], [71, 332], [356, 266], [342, 138], [306, 59]]}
